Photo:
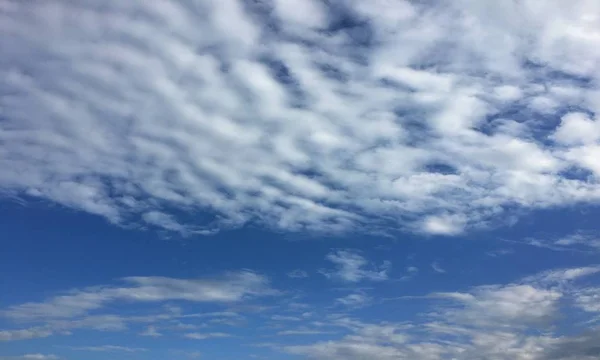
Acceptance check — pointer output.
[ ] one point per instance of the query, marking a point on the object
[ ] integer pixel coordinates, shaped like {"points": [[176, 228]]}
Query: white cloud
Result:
{"points": [[577, 128], [303, 332], [588, 299], [309, 13], [499, 322], [30, 357], [354, 300], [285, 318], [353, 267], [132, 112], [503, 305], [231, 287], [204, 336], [109, 348], [562, 276], [437, 268], [24, 334], [151, 331]]}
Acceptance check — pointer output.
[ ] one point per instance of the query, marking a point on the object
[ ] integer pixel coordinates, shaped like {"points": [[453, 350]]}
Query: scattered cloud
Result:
{"points": [[503, 322], [352, 267]]}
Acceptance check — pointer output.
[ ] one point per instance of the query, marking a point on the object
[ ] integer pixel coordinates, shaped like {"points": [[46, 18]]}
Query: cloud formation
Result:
{"points": [[324, 116], [232, 287], [499, 322], [352, 267]]}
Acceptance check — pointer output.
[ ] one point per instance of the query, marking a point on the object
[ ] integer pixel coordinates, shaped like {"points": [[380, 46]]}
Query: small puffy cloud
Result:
{"points": [[352, 267]]}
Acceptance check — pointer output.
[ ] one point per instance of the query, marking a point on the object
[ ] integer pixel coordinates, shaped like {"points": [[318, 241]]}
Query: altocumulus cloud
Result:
{"points": [[429, 116]]}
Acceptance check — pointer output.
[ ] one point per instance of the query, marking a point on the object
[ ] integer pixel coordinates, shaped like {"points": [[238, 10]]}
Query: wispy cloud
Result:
{"points": [[30, 357], [437, 267], [352, 267], [151, 331], [204, 336], [356, 300], [24, 334], [109, 348], [511, 321], [229, 288]]}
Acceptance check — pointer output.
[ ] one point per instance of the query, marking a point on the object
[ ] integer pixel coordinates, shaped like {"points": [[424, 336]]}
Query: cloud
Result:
{"points": [[437, 268], [502, 305], [353, 267], [109, 348], [24, 334], [588, 299], [30, 357], [425, 116], [151, 331], [204, 336], [563, 276], [285, 318], [303, 332], [500, 322], [232, 287], [354, 300]]}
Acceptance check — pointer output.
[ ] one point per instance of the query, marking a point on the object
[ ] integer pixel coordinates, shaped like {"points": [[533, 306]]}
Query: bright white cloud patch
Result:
{"points": [[326, 116]]}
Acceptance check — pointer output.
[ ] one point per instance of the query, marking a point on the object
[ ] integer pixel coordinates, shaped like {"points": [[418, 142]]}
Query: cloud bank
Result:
{"points": [[193, 116]]}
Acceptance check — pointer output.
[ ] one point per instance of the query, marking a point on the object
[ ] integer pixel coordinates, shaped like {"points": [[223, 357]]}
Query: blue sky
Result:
{"points": [[299, 179]]}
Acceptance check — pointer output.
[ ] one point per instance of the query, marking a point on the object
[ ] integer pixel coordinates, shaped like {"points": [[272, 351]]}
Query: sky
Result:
{"points": [[299, 179]]}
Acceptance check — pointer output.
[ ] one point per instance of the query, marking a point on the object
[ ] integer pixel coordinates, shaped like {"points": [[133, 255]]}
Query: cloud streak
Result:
{"points": [[230, 288]]}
